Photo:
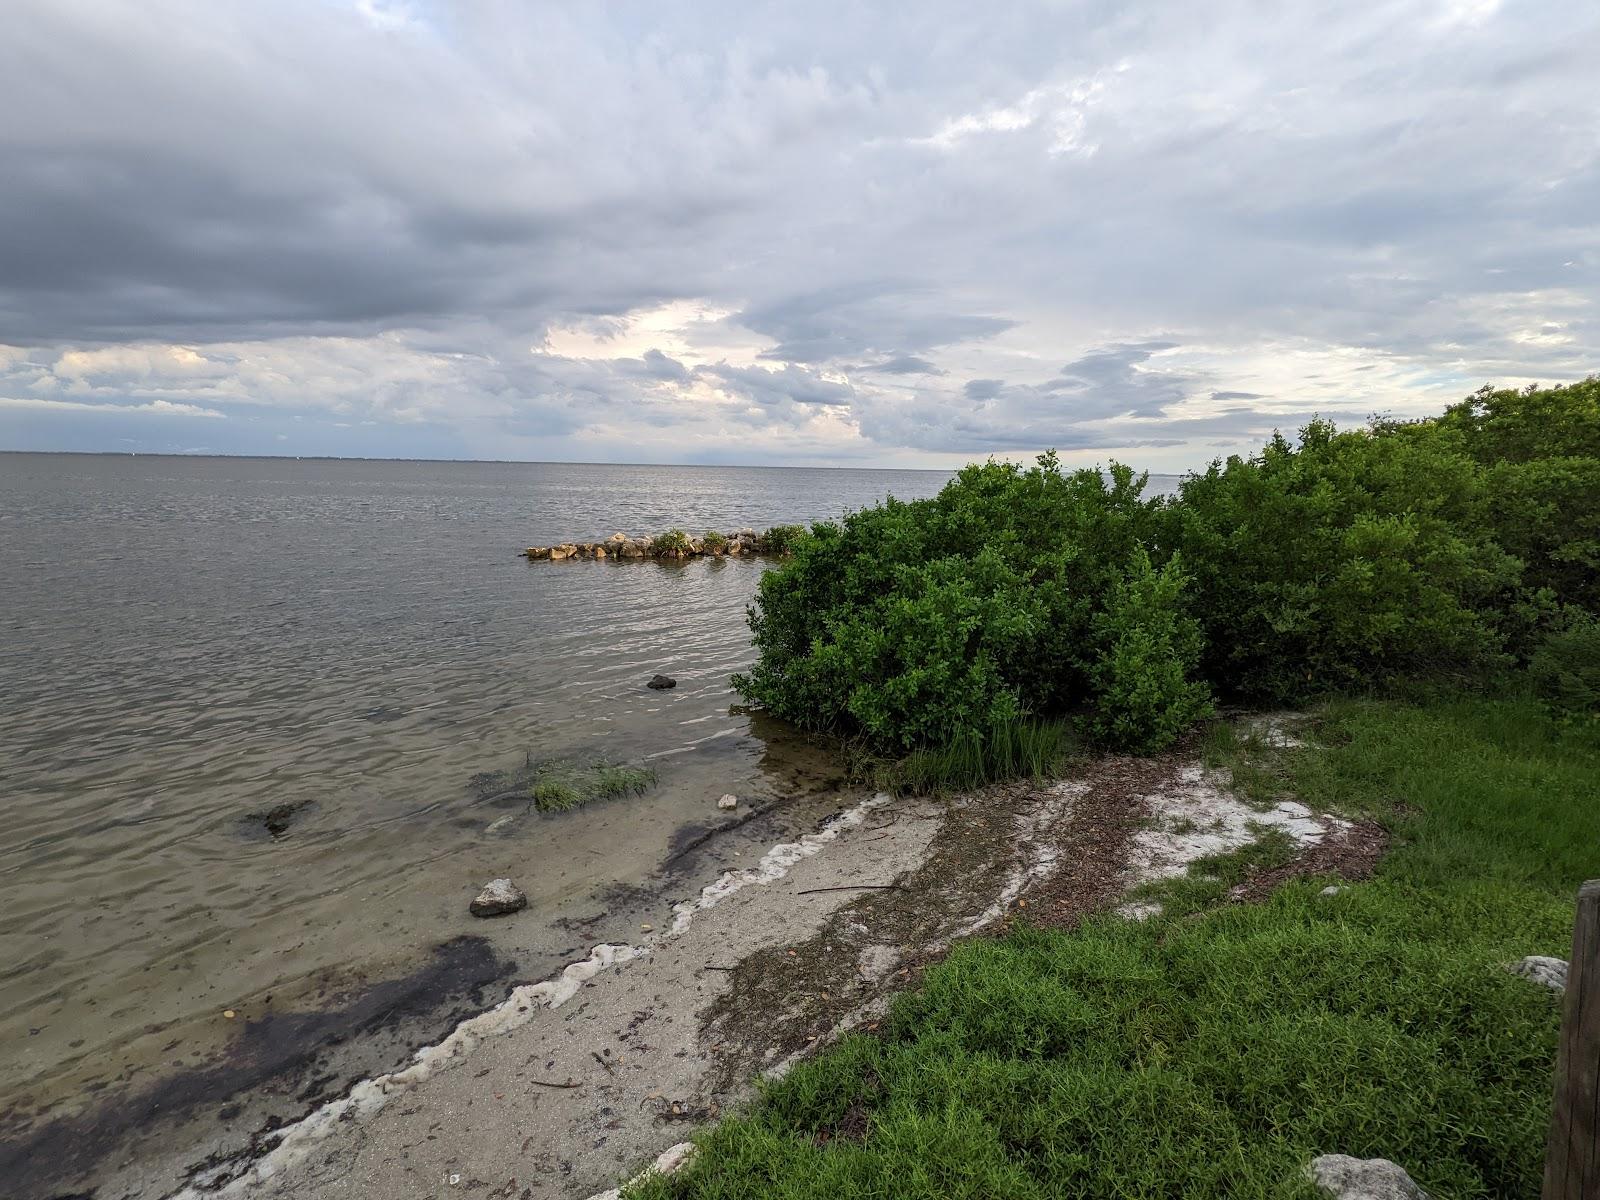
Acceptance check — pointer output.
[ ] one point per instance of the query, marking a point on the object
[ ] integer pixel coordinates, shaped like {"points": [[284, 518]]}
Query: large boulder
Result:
{"points": [[498, 897], [1346, 1178]]}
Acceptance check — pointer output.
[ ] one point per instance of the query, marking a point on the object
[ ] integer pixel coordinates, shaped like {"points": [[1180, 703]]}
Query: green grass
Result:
{"points": [[1021, 749], [1213, 1051], [558, 786], [673, 541]]}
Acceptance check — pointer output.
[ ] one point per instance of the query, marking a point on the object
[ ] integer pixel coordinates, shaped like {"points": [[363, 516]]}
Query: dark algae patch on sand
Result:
{"points": [[277, 1055], [1214, 1049]]}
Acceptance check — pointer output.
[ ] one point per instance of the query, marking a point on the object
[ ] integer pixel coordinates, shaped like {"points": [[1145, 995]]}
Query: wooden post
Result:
{"points": [[1572, 1157]]}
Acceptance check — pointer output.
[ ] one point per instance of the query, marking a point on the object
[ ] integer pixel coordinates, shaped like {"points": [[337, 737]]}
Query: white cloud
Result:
{"points": [[1061, 109], [159, 408]]}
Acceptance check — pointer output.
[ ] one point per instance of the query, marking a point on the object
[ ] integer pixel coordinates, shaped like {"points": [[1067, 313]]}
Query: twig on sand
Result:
{"points": [[852, 887], [714, 967], [543, 1083], [610, 1070]]}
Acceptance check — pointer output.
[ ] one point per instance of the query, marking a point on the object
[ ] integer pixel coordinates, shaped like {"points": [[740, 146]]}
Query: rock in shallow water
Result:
{"points": [[661, 683], [728, 801], [1346, 1178], [499, 896]]}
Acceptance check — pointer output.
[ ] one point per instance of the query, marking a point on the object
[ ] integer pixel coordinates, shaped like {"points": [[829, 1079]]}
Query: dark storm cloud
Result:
{"points": [[1069, 411], [376, 212], [837, 323], [792, 385]]}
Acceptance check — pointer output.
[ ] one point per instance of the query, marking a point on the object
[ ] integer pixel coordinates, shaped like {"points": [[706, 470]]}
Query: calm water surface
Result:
{"points": [[186, 642]]}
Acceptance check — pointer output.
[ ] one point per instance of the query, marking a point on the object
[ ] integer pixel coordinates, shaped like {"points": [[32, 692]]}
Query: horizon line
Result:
{"points": [[510, 462]]}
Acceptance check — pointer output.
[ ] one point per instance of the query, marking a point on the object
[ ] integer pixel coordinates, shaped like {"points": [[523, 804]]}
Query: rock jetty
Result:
{"points": [[675, 544]]}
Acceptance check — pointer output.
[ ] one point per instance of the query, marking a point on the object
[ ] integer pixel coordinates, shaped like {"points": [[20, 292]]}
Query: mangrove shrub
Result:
{"points": [[1446, 548]]}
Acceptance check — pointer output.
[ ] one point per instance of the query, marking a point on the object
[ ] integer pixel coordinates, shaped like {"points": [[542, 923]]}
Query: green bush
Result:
{"points": [[1144, 691], [1400, 554], [714, 542], [1565, 670], [913, 624], [673, 541], [781, 539], [1345, 560], [1540, 448]]}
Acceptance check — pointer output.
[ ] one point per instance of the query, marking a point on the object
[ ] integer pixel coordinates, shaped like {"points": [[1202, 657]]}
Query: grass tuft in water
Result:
{"points": [[557, 785]]}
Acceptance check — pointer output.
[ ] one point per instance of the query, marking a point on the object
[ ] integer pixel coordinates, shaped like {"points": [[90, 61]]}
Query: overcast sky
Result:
{"points": [[897, 234]]}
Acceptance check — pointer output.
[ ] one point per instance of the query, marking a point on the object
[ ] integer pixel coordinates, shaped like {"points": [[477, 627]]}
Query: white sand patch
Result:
{"points": [[774, 864], [1197, 818]]}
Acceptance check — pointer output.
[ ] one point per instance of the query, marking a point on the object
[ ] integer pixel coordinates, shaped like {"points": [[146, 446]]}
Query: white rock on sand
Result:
{"points": [[1346, 1178], [728, 801], [499, 896]]}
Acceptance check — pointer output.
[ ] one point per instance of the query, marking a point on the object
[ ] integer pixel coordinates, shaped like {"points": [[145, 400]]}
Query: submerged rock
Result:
{"points": [[499, 896], [277, 820], [728, 801], [1539, 968], [1346, 1178], [661, 683]]}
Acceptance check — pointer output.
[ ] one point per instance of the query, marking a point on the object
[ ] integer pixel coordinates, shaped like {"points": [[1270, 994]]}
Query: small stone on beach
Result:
{"points": [[499, 896], [661, 683], [728, 801]]}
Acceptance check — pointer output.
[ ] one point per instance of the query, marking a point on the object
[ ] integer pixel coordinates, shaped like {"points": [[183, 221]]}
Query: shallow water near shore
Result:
{"points": [[191, 643]]}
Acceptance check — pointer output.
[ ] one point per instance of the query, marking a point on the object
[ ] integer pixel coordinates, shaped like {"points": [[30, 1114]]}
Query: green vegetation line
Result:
{"points": [[1452, 549]]}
